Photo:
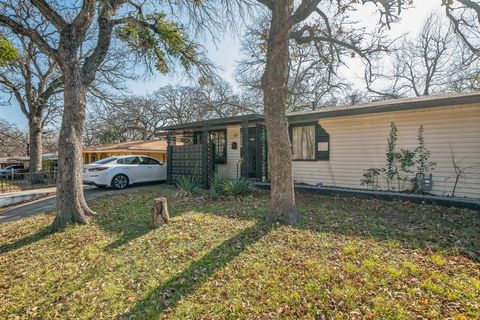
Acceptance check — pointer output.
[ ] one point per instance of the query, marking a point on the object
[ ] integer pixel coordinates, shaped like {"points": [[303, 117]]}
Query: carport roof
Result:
{"points": [[214, 122]]}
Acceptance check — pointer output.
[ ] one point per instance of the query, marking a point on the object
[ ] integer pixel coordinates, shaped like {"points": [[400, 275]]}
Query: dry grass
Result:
{"points": [[217, 259]]}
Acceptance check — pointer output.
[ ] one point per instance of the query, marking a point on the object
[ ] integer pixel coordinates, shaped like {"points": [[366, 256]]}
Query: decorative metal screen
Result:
{"points": [[262, 167], [186, 161], [194, 161]]}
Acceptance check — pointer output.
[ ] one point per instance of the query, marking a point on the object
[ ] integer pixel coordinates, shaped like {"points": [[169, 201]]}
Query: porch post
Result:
{"points": [[261, 146], [244, 149], [205, 162], [169, 156]]}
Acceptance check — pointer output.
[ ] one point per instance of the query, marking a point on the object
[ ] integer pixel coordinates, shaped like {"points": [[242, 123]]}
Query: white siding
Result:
{"points": [[359, 142], [233, 156]]}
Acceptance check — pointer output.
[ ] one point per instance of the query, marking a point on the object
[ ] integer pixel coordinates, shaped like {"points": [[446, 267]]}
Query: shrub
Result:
{"points": [[188, 186], [399, 166], [370, 178], [216, 186], [237, 189], [424, 165]]}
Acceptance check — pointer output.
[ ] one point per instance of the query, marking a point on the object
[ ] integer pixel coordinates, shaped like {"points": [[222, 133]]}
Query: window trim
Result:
{"points": [[318, 129]]}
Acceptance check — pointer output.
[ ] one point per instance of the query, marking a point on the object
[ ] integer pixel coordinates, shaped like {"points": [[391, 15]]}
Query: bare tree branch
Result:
{"points": [[49, 13]]}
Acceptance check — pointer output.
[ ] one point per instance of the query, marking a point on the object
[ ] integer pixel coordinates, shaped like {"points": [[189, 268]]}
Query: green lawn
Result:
{"points": [[347, 259]]}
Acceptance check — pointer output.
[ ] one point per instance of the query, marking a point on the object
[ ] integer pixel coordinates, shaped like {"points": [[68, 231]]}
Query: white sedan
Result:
{"points": [[120, 172]]}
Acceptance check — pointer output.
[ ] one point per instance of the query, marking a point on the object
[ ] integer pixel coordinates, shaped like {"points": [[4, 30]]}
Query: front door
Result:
{"points": [[249, 152], [252, 152]]}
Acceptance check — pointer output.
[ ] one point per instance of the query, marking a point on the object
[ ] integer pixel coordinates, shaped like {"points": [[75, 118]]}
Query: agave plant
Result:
{"points": [[188, 186], [238, 189]]}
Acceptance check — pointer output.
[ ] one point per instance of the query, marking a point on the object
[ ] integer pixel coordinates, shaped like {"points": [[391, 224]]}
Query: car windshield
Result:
{"points": [[106, 160]]}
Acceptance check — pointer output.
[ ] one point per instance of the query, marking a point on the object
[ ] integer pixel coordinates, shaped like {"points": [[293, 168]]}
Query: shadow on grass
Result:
{"points": [[171, 292], [39, 235], [125, 215], [125, 230], [409, 225], [131, 219]]}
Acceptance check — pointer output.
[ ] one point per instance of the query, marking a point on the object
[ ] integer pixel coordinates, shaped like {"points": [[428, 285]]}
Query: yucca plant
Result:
{"points": [[188, 186], [238, 189], [216, 186]]}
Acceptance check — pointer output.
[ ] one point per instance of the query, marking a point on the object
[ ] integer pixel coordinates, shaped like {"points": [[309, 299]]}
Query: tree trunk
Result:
{"points": [[275, 91], [71, 205], [35, 146], [159, 213]]}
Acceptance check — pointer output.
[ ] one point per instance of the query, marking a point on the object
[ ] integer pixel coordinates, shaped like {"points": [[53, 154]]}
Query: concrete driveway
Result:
{"points": [[49, 204]]}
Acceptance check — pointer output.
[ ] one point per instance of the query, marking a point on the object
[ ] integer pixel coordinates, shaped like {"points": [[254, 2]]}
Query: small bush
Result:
{"points": [[237, 189], [216, 186], [188, 186], [370, 178]]}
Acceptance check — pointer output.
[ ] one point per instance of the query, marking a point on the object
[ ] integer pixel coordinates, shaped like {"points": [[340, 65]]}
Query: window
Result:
{"points": [[309, 142], [219, 139], [129, 160], [106, 160], [149, 161], [197, 137], [303, 143]]}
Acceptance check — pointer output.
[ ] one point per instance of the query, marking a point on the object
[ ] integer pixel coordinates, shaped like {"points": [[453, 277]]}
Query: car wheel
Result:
{"points": [[120, 181]]}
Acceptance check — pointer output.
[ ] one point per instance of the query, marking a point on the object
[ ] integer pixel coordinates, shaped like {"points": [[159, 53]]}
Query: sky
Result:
{"points": [[226, 52]]}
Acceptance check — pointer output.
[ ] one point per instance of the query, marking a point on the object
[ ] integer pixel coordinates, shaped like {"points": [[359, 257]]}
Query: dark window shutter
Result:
{"points": [[322, 138]]}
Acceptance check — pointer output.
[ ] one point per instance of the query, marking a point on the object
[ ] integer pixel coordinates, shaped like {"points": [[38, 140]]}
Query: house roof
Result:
{"points": [[213, 122], [130, 146], [363, 108], [387, 106], [15, 159]]}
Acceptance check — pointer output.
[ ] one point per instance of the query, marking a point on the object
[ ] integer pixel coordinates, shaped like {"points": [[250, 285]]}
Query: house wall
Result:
{"points": [[229, 169], [359, 142]]}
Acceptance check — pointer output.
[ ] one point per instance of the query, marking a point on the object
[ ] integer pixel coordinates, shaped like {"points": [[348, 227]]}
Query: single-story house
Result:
{"points": [[47, 158], [335, 146], [156, 149]]}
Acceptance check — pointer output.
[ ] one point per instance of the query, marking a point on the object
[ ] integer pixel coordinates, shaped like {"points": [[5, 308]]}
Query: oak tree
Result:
{"points": [[433, 62], [32, 79], [323, 23], [13, 141], [313, 79], [148, 32], [8, 52]]}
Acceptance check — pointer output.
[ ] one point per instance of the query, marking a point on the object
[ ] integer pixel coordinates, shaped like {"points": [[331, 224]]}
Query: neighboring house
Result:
{"points": [[334, 146], [47, 158], [156, 149]]}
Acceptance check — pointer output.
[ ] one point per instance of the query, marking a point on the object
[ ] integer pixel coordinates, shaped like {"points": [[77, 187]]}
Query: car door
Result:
{"points": [[154, 170], [131, 167]]}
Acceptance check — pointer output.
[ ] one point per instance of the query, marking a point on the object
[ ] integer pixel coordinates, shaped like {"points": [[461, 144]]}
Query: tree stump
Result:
{"points": [[159, 214]]}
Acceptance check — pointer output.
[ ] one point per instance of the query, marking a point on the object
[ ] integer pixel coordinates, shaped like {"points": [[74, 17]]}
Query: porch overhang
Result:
{"points": [[212, 123]]}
